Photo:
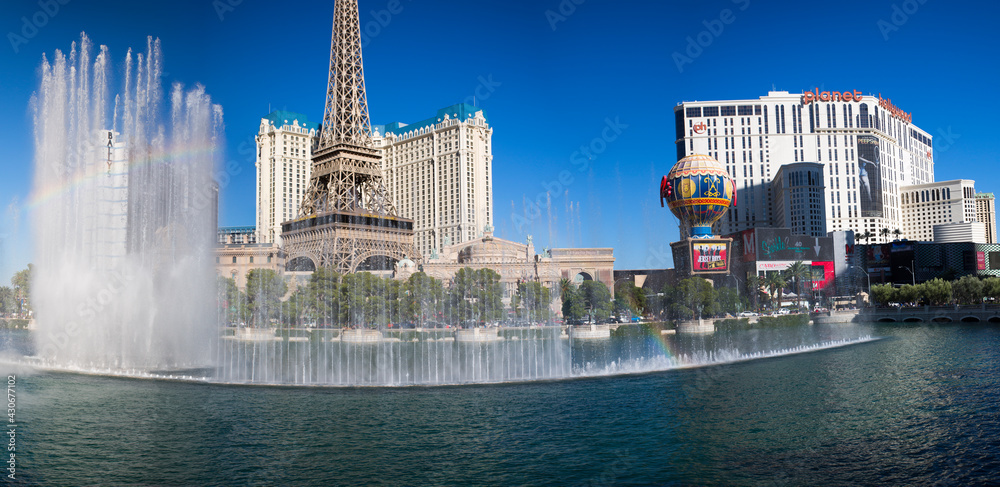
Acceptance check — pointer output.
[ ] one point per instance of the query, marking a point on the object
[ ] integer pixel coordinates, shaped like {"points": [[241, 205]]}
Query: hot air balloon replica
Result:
{"points": [[699, 192]]}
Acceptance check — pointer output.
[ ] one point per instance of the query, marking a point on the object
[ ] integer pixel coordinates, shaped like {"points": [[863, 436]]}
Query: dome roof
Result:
{"points": [[696, 164], [406, 263]]}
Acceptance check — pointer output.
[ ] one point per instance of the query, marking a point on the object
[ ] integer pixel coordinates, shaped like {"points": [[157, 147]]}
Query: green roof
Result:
{"points": [[282, 117], [461, 111]]}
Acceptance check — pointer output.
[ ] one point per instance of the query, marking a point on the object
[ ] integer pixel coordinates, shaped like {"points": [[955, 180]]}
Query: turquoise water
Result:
{"points": [[916, 407]]}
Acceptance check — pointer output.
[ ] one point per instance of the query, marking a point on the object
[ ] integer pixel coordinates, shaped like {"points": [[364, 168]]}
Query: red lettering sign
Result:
{"points": [[887, 105], [816, 95], [699, 128], [749, 246]]}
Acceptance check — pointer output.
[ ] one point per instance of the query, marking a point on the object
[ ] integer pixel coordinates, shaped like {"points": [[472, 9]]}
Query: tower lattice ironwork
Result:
{"points": [[347, 221]]}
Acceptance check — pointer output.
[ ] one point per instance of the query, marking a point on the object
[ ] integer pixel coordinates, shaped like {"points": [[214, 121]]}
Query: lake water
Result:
{"points": [[920, 405]]}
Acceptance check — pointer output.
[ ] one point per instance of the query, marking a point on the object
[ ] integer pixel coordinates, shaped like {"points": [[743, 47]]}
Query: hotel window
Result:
{"points": [[729, 111], [711, 111]]}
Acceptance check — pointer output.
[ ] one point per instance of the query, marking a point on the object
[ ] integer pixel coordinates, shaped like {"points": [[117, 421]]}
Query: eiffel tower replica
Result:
{"points": [[348, 221]]}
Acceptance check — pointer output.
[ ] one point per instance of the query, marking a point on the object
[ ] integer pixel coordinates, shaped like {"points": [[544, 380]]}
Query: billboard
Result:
{"points": [[869, 177], [710, 256], [843, 250], [778, 244], [878, 257], [822, 275]]}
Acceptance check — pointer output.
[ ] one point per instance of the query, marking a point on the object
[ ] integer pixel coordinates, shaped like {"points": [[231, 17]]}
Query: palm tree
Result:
{"points": [[796, 272], [775, 282], [897, 232], [866, 236], [753, 289], [884, 233]]}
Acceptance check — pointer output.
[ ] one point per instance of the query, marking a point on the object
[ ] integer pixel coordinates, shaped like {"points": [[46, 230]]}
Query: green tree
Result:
{"points": [[294, 309], [572, 301], [232, 302], [7, 302], [596, 299], [968, 290], [884, 233], [630, 298], [693, 297], [729, 301], [775, 281], [883, 293], [797, 272], [476, 295], [897, 232], [936, 291], [424, 299], [991, 288], [321, 303], [362, 300], [908, 293], [532, 301], [754, 290], [265, 289], [22, 288]]}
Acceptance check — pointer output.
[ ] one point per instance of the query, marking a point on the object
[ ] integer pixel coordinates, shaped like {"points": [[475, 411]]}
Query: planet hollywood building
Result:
{"points": [[867, 146]]}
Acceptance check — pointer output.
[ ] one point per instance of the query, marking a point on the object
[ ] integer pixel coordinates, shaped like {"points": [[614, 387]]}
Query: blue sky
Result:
{"points": [[556, 73]]}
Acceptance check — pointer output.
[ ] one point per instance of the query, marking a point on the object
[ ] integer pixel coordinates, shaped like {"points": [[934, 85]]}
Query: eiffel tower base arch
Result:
{"points": [[345, 241]]}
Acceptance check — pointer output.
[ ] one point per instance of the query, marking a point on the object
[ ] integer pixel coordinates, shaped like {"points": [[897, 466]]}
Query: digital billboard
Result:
{"points": [[822, 275], [878, 257], [869, 177], [778, 244], [709, 256]]}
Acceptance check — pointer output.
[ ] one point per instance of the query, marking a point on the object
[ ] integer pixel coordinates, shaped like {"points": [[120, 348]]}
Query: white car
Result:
{"points": [[746, 314]]}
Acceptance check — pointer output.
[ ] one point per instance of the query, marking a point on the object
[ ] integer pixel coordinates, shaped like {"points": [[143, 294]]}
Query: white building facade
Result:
{"points": [[439, 172], [285, 142], [941, 203], [867, 146], [986, 213]]}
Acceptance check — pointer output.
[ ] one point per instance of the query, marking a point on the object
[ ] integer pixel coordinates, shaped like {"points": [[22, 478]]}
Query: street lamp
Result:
{"points": [[869, 282], [911, 269]]}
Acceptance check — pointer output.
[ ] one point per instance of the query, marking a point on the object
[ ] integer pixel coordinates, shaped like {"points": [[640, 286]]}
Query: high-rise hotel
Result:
{"points": [[439, 172], [285, 142], [868, 149]]}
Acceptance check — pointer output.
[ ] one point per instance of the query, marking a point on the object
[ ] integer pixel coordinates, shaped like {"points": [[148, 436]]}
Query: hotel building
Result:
{"points": [[925, 206], [799, 198], [868, 149], [439, 172], [285, 142], [986, 213]]}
